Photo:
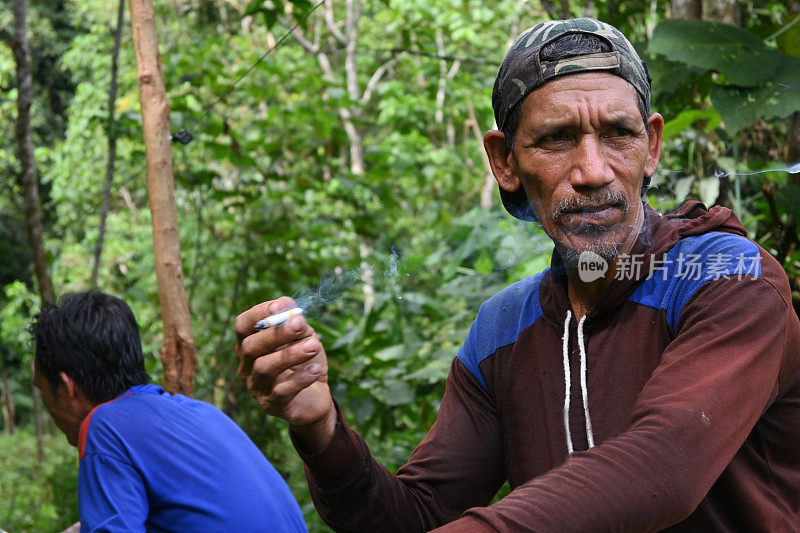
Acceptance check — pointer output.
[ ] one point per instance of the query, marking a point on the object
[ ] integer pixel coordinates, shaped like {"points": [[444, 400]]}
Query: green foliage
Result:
{"points": [[398, 257], [739, 56], [270, 11], [20, 304], [709, 117], [719, 85], [37, 495], [753, 80], [774, 98]]}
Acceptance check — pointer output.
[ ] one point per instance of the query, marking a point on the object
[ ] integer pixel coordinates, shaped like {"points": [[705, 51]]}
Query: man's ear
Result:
{"points": [[494, 142], [655, 125], [77, 399], [70, 385]]}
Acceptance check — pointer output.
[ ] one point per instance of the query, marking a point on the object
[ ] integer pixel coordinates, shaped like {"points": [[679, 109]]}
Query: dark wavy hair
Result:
{"points": [[93, 338]]}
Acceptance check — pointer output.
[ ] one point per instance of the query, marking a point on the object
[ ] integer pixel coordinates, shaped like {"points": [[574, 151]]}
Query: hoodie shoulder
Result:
{"points": [[500, 320], [690, 263]]}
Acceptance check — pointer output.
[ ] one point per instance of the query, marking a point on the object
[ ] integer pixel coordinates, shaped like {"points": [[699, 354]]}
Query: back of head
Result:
{"points": [[93, 338]]}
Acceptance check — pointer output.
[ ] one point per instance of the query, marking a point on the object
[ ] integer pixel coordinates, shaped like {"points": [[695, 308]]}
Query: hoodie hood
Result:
{"points": [[658, 235]]}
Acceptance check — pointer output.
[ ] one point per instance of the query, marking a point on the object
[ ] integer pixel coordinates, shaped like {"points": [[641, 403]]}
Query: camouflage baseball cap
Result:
{"points": [[524, 69]]}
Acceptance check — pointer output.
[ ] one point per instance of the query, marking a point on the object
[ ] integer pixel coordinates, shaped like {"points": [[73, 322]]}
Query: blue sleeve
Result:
{"points": [[500, 320], [111, 495]]}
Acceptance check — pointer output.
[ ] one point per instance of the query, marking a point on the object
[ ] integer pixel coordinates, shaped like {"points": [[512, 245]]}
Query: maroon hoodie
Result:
{"points": [[674, 404]]}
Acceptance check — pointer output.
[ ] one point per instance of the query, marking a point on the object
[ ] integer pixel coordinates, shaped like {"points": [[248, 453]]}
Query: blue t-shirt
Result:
{"points": [[157, 462]]}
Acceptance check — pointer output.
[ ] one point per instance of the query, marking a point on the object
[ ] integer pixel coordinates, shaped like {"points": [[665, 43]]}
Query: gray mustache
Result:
{"points": [[597, 200]]}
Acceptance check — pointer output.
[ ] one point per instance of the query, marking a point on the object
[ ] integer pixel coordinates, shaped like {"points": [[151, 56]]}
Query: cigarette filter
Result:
{"points": [[278, 318]]}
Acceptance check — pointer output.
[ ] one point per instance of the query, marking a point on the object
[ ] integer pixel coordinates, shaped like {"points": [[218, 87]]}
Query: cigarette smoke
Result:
{"points": [[793, 169], [334, 287]]}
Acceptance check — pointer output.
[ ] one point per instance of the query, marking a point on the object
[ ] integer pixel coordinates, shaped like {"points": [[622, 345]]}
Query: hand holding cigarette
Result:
{"points": [[286, 368]]}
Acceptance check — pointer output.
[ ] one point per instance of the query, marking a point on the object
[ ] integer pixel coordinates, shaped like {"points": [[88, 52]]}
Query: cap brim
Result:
{"points": [[517, 204]]}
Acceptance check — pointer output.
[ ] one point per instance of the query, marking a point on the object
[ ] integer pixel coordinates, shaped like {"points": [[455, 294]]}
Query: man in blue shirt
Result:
{"points": [[148, 460]]}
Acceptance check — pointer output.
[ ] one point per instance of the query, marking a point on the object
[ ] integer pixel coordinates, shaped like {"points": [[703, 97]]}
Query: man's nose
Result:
{"points": [[591, 167]]}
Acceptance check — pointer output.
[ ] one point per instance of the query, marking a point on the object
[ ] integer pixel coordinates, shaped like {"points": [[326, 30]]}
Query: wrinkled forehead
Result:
{"points": [[582, 99], [599, 92]]}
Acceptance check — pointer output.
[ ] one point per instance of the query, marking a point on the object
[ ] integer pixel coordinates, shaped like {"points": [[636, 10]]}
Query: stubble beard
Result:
{"points": [[606, 241]]}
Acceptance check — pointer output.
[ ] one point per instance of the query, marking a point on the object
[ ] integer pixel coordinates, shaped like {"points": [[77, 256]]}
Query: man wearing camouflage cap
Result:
{"points": [[647, 380]]}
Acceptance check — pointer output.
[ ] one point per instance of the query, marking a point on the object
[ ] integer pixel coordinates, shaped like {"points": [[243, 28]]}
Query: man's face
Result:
{"points": [[59, 406], [581, 152]]}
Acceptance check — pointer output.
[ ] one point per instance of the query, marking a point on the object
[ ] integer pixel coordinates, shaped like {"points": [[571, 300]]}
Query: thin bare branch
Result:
{"points": [[325, 65], [377, 76], [445, 76], [331, 23], [112, 142], [298, 36], [551, 9], [351, 26], [454, 68], [441, 89], [422, 53]]}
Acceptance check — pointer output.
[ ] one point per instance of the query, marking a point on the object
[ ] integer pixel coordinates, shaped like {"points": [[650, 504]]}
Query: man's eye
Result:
{"points": [[620, 132], [555, 137]]}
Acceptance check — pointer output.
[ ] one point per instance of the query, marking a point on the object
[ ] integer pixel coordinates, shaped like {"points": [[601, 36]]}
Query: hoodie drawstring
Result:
{"points": [[568, 383]]}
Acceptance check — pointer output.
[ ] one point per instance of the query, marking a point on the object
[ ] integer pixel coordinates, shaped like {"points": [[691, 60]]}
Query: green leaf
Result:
{"points": [[682, 188], [789, 200], [789, 39], [392, 353], [394, 392], [669, 76], [741, 57], [253, 7], [529, 268], [484, 264], [708, 190], [687, 118], [777, 98]]}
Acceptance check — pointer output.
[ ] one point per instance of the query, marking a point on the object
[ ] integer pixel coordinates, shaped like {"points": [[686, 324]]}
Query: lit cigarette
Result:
{"points": [[278, 318]]}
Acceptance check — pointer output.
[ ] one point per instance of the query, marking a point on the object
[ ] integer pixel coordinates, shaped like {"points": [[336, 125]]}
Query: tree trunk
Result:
{"points": [[686, 9], [111, 131], [564, 12], [8, 405], [725, 11], [30, 182], [178, 353]]}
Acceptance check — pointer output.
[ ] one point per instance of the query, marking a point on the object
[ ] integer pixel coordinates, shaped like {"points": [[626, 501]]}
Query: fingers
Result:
{"points": [[274, 339], [283, 391], [250, 343], [245, 323], [288, 384], [269, 370]]}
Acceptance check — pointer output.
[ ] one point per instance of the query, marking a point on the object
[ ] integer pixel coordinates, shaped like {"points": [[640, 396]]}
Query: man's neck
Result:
{"points": [[583, 296]]}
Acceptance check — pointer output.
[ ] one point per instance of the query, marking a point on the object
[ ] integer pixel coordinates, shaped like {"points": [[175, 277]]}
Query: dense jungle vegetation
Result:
{"points": [[336, 156]]}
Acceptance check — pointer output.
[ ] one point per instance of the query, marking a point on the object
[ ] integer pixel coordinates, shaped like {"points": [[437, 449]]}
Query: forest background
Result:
{"points": [[336, 156]]}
